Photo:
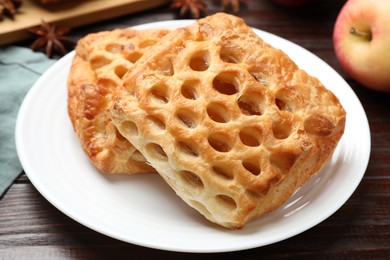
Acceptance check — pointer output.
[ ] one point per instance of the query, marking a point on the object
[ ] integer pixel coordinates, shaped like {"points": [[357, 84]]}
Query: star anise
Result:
{"points": [[234, 3], [193, 7], [51, 38], [9, 8]]}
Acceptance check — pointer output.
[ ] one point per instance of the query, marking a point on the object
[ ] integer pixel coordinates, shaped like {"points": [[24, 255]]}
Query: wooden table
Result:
{"points": [[31, 227]]}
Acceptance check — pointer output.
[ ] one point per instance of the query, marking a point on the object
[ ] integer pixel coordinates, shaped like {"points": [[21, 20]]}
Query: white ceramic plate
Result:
{"points": [[142, 209]]}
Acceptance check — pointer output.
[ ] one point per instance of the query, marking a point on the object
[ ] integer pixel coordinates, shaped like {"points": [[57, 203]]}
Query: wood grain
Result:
{"points": [[69, 13]]}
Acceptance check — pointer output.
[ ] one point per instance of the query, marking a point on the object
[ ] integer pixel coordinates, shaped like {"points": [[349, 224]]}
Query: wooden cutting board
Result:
{"points": [[68, 13]]}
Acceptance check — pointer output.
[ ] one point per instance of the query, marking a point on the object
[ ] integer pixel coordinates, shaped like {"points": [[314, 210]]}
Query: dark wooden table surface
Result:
{"points": [[31, 227]]}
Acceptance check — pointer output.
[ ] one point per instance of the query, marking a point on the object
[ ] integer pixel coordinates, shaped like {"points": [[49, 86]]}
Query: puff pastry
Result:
{"points": [[100, 61], [230, 123]]}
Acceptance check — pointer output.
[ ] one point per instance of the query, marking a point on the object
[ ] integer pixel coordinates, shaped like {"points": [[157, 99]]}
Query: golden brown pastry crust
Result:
{"points": [[229, 122], [100, 61]]}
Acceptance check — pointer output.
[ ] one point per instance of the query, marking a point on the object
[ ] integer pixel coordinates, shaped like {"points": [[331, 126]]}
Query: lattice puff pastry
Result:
{"points": [[100, 61], [230, 123]]}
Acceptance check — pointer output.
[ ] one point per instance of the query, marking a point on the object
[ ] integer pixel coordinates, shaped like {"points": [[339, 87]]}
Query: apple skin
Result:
{"points": [[293, 3], [364, 54]]}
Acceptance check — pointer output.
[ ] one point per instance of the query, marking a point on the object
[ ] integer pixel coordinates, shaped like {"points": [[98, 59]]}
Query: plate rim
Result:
{"points": [[38, 185]]}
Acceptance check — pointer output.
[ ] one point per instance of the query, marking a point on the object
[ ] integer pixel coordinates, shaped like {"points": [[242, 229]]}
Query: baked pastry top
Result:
{"points": [[230, 123], [100, 61]]}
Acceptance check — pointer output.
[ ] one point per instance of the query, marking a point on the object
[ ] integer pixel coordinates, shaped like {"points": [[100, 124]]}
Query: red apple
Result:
{"points": [[361, 40], [293, 3]]}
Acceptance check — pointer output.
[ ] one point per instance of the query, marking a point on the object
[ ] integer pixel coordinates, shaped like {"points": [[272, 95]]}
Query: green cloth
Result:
{"points": [[19, 69]]}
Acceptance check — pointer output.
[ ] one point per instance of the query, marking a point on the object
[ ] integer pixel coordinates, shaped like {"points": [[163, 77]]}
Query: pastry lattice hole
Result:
{"points": [[128, 128], [259, 77], [133, 56], [289, 99], [120, 71], [251, 136], [187, 148], [226, 83], [218, 142], [283, 161], [164, 67], [155, 122], [223, 172], [231, 53], [186, 118], [218, 113], [189, 89], [229, 59], [282, 129], [99, 61], [191, 179], [226, 201], [119, 136], [200, 61], [282, 105], [147, 43], [160, 93], [155, 151], [114, 48], [200, 207], [251, 105], [252, 166], [137, 156]]}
